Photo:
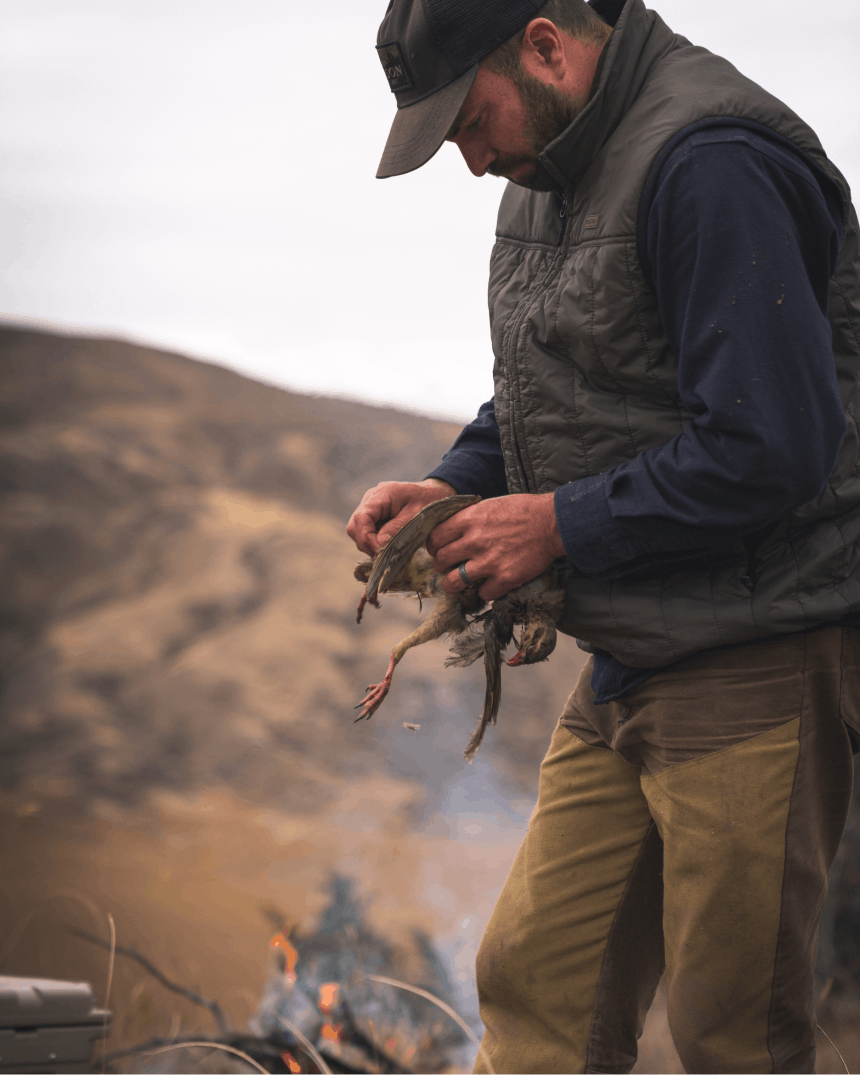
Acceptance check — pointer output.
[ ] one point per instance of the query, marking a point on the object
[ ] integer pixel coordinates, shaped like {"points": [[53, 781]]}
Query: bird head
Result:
{"points": [[536, 642]]}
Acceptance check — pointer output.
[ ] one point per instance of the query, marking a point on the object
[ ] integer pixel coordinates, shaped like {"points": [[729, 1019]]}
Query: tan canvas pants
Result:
{"points": [[692, 825]]}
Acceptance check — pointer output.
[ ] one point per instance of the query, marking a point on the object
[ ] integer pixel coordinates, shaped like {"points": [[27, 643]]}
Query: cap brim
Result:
{"points": [[419, 130]]}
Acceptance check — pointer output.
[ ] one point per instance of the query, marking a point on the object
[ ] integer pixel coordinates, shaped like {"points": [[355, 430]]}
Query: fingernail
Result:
{"points": [[384, 539]]}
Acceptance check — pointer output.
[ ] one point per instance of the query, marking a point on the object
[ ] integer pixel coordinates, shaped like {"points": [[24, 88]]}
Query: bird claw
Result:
{"points": [[376, 693], [373, 700]]}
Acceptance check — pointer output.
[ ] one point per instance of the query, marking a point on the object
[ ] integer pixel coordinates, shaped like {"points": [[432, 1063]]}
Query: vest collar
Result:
{"points": [[639, 41]]}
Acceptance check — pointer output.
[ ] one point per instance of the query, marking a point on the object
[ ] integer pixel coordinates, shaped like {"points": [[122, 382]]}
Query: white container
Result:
{"points": [[48, 1025]]}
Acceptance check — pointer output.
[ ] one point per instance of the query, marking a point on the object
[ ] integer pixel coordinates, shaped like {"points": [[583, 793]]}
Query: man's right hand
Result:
{"points": [[388, 507]]}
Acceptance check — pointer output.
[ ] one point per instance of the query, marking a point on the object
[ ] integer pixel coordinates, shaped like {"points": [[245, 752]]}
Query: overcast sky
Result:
{"points": [[200, 173]]}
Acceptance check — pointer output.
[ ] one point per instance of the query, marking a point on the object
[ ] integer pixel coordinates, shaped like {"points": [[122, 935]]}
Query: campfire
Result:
{"points": [[333, 993], [340, 999]]}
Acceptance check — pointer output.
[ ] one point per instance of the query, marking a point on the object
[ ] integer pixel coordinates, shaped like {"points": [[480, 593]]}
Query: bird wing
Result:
{"points": [[403, 546], [498, 631]]}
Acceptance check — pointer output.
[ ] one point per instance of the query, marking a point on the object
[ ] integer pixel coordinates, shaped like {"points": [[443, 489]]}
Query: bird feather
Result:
{"points": [[403, 546]]}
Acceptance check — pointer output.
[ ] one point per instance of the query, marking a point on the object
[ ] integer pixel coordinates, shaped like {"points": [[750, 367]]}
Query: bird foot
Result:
{"points": [[364, 600], [376, 693]]}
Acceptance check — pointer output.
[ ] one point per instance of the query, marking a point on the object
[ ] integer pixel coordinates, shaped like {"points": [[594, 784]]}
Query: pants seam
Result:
{"points": [[632, 873], [771, 1013], [703, 758]]}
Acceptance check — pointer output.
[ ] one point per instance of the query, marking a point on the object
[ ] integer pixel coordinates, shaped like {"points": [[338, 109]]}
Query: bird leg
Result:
{"points": [[447, 616], [376, 692], [362, 603]]}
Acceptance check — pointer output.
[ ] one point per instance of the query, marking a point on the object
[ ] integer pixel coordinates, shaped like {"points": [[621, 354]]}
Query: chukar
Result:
{"points": [[405, 566]]}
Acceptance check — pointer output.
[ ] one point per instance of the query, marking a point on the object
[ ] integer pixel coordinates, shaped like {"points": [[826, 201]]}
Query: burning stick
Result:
{"points": [[291, 1062], [328, 999], [280, 940]]}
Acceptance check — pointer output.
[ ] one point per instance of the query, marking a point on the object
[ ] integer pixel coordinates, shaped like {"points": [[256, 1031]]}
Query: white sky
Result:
{"points": [[200, 173]]}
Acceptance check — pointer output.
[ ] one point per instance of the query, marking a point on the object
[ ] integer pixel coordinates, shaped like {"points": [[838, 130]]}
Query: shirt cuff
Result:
{"points": [[468, 473], [593, 540]]}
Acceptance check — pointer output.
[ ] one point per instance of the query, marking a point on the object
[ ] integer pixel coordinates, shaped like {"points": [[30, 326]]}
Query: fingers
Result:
{"points": [[445, 533], [395, 525], [387, 508], [362, 529], [492, 587], [453, 581], [449, 556], [378, 512]]}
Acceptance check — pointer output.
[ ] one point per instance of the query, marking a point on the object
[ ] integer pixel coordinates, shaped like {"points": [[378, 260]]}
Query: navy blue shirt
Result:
{"points": [[742, 238]]}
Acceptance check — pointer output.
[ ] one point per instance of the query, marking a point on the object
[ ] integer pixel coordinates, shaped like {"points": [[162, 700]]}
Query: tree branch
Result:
{"points": [[212, 1006]]}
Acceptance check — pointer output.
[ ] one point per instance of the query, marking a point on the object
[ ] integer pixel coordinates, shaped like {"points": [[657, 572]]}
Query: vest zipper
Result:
{"points": [[511, 364]]}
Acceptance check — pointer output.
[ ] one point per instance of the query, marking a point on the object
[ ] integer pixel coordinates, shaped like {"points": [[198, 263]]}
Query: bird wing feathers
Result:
{"points": [[498, 632], [403, 546]]}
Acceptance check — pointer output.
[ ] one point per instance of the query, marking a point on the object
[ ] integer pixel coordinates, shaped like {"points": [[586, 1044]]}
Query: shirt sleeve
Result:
{"points": [[474, 463], [743, 236]]}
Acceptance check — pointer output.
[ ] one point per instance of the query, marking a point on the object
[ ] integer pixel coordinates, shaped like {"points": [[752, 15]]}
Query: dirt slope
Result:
{"points": [[180, 659], [178, 601]]}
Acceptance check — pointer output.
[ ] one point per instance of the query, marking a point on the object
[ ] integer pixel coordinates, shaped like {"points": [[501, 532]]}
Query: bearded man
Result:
{"points": [[675, 313]]}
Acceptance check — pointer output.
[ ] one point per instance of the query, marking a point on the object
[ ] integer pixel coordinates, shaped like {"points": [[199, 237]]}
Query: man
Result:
{"points": [[675, 313]]}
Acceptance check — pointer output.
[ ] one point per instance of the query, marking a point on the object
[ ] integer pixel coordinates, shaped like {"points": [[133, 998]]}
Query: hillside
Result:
{"points": [[180, 661], [179, 606]]}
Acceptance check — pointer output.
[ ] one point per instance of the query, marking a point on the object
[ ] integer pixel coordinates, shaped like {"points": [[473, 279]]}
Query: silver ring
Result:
{"points": [[466, 580]]}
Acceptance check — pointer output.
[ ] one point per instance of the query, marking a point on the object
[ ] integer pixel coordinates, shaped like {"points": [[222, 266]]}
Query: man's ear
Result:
{"points": [[542, 51]]}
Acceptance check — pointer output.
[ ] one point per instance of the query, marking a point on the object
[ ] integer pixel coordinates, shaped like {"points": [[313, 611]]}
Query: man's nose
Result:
{"points": [[477, 155]]}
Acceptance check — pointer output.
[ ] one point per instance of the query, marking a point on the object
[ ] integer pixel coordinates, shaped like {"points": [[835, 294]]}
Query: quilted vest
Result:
{"points": [[585, 378]]}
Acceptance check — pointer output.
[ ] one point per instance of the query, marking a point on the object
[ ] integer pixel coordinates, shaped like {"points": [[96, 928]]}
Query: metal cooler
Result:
{"points": [[48, 1025]]}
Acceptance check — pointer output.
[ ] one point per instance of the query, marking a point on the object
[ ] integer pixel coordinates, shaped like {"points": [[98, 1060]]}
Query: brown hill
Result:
{"points": [[179, 607], [180, 659]]}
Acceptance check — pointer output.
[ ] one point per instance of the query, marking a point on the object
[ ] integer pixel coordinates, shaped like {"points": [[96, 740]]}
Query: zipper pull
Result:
{"points": [[563, 211]]}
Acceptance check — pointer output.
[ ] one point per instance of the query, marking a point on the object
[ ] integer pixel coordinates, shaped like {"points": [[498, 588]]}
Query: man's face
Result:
{"points": [[505, 124]]}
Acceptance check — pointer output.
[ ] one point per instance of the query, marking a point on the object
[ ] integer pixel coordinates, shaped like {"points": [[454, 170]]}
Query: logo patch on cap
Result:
{"points": [[394, 67]]}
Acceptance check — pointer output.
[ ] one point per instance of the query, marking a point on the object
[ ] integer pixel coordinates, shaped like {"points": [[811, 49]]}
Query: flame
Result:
{"points": [[410, 1052], [328, 997], [389, 1045], [292, 956], [291, 1062], [331, 1033]]}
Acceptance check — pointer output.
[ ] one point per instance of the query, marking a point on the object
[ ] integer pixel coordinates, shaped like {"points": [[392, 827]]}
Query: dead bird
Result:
{"points": [[405, 566]]}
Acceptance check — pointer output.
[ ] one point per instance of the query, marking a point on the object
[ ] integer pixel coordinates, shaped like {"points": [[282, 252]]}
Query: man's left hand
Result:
{"points": [[507, 541]]}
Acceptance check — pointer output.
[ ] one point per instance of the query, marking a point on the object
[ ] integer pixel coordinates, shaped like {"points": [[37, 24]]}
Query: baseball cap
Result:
{"points": [[430, 50]]}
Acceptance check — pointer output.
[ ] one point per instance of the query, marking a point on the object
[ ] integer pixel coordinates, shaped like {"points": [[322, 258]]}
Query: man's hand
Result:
{"points": [[388, 507], [507, 541]]}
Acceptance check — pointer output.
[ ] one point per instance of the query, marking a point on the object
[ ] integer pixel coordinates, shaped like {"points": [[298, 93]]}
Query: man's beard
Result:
{"points": [[549, 112]]}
